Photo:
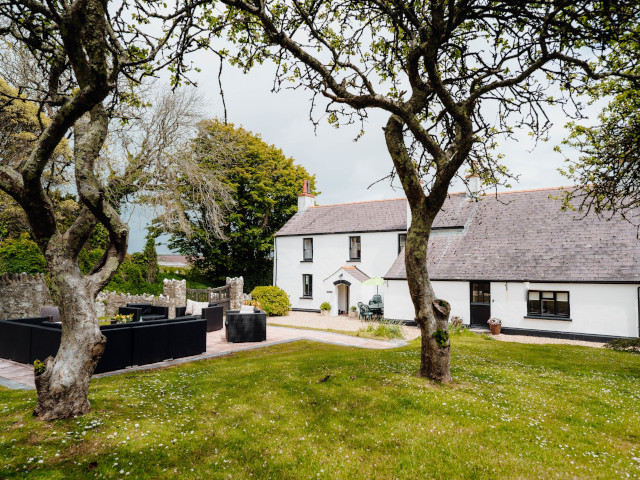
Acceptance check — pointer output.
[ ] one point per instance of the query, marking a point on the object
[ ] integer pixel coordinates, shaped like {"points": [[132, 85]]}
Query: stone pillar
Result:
{"points": [[236, 294], [176, 290], [22, 295]]}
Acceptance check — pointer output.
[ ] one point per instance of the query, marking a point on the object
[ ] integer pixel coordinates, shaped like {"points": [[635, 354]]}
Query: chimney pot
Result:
{"points": [[305, 199]]}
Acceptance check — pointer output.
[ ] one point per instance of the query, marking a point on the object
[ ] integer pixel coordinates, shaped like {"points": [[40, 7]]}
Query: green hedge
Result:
{"points": [[273, 300], [18, 255]]}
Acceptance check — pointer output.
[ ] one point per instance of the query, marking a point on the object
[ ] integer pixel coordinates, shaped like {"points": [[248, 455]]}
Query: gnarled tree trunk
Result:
{"points": [[432, 314], [63, 388]]}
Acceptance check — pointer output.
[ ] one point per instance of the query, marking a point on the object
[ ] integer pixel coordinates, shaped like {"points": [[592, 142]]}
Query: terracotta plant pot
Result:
{"points": [[495, 329], [353, 314]]}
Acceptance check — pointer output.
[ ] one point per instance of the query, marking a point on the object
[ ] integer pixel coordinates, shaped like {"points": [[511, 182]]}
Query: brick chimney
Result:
{"points": [[305, 199]]}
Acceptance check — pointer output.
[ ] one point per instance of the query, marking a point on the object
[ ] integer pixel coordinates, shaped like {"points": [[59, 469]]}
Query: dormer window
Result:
{"points": [[354, 248], [402, 241], [307, 249]]}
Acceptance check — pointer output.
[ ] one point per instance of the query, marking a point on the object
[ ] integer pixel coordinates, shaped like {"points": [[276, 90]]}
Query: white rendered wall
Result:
{"points": [[398, 304], [331, 252], [600, 309]]}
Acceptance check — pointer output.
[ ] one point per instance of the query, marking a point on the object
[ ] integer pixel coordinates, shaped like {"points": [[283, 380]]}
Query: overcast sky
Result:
{"points": [[344, 169]]}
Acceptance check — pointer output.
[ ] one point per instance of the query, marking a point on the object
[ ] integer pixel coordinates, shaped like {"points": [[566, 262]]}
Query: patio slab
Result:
{"points": [[20, 376]]}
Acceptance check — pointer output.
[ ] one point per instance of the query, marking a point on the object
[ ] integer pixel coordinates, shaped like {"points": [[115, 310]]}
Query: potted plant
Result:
{"points": [[495, 324], [353, 312], [325, 308], [456, 321]]}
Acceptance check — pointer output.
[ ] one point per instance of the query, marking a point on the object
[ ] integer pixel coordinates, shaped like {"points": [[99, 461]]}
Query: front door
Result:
{"points": [[480, 303], [343, 299]]}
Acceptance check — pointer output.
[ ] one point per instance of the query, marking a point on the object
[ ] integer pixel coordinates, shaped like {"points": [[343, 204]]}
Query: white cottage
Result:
{"points": [[325, 252], [516, 256]]}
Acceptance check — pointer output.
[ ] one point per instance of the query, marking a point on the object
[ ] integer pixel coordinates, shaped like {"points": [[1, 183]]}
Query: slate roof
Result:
{"points": [[525, 236], [373, 216], [356, 273]]}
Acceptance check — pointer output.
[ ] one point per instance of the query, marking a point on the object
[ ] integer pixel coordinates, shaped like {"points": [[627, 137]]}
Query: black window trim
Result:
{"points": [[310, 285], [355, 259], [484, 291], [555, 305], [405, 241], [304, 250]]}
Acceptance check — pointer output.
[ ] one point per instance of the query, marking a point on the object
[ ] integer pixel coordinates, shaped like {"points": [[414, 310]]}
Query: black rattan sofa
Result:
{"points": [[246, 327], [144, 312], [212, 314], [139, 343]]}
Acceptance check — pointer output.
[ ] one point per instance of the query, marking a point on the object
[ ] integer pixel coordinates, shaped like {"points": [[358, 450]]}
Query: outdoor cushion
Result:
{"points": [[195, 308]]}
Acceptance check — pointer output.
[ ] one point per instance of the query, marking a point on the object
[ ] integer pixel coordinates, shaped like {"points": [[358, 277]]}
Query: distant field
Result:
{"points": [[514, 411]]}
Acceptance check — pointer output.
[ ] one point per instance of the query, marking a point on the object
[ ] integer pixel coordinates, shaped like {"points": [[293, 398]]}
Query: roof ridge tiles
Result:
{"points": [[355, 203]]}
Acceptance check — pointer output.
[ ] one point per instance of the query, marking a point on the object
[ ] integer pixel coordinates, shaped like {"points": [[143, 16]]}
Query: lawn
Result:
{"points": [[514, 411]]}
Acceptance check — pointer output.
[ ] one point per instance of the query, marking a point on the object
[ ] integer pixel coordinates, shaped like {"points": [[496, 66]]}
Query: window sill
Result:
{"points": [[306, 298], [353, 260], [548, 317], [306, 261]]}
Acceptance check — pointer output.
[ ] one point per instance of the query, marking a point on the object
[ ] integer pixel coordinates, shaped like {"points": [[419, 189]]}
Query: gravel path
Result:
{"points": [[315, 320]]}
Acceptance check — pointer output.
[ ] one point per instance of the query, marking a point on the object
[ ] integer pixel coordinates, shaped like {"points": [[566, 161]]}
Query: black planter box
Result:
{"points": [[246, 327]]}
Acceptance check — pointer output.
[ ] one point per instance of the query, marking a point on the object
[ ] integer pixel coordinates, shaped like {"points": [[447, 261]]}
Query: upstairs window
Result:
{"points": [[548, 304], [307, 249], [354, 248], [402, 241], [307, 285]]}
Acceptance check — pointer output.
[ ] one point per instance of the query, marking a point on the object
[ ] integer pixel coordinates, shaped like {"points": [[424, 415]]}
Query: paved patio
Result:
{"points": [[20, 376]]}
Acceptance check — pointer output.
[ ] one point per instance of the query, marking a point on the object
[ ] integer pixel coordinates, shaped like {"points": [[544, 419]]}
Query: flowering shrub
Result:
{"points": [[254, 303], [494, 321], [274, 300], [122, 318], [456, 321]]}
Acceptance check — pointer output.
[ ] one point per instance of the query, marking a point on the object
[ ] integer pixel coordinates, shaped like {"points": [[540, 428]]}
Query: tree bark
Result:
{"points": [[63, 388], [432, 314]]}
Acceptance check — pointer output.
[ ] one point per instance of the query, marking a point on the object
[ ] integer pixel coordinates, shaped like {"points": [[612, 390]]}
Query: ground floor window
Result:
{"points": [[307, 285], [548, 304]]}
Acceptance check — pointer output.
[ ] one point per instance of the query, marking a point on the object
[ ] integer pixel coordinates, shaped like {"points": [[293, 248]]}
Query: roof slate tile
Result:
{"points": [[526, 236]]}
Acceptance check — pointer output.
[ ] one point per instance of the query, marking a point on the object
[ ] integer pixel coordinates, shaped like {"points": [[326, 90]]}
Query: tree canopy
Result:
{"points": [[263, 184], [81, 62], [608, 170], [455, 78]]}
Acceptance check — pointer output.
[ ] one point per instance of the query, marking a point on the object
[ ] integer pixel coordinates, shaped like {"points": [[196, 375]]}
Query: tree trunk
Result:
{"points": [[63, 388], [432, 314]]}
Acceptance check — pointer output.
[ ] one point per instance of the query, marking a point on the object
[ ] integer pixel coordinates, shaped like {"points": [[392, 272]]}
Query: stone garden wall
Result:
{"points": [[175, 295], [22, 295]]}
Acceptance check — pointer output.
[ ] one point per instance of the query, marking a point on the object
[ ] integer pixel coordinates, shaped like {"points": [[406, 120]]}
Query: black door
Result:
{"points": [[480, 303]]}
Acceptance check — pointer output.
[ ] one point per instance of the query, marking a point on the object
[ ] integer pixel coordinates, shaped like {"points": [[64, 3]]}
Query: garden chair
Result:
{"points": [[376, 306], [364, 311]]}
